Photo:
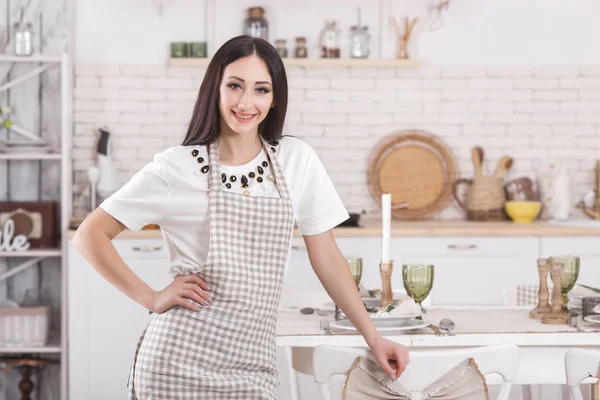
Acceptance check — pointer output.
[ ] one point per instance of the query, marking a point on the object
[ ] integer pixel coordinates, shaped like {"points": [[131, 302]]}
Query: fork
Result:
{"points": [[324, 324]]}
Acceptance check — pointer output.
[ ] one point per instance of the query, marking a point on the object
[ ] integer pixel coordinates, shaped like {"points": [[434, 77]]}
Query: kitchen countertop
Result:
{"points": [[372, 227]]}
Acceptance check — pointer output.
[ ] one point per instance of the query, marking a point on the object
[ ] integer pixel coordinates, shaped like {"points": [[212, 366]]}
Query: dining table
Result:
{"points": [[543, 346]]}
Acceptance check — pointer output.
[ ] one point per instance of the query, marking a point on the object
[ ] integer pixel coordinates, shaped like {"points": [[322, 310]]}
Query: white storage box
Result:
{"points": [[24, 326]]}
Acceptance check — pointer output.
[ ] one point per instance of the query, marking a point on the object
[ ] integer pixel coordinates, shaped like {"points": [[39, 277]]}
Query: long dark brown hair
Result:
{"points": [[204, 126]]}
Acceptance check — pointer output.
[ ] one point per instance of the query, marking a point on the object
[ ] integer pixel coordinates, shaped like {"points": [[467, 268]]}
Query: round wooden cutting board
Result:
{"points": [[413, 166]]}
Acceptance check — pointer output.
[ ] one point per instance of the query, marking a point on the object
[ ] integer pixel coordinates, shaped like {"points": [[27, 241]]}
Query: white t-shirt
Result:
{"points": [[173, 193]]}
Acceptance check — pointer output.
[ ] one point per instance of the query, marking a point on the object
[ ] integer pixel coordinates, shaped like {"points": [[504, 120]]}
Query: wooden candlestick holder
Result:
{"points": [[543, 306], [387, 296], [556, 316]]}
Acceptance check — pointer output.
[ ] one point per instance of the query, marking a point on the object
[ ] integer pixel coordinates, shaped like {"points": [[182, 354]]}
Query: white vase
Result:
{"points": [[555, 186]]}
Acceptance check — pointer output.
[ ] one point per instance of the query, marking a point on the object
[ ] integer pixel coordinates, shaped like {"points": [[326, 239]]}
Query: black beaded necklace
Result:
{"points": [[258, 175]]}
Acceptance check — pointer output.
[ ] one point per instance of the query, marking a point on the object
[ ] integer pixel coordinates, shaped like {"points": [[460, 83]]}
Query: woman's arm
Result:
{"points": [[93, 239], [330, 266]]}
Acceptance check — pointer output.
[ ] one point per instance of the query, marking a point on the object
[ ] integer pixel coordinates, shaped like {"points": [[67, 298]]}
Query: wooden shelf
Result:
{"points": [[31, 253], [32, 58], [314, 62], [30, 156]]}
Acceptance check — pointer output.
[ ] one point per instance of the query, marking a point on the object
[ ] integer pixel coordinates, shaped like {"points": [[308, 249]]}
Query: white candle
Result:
{"points": [[386, 219]]}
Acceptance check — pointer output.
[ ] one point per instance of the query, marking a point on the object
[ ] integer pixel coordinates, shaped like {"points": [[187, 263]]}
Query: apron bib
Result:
{"points": [[226, 350]]}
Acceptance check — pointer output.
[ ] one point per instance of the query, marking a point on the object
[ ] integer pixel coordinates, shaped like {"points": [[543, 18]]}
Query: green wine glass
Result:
{"points": [[418, 281], [356, 266], [569, 275]]}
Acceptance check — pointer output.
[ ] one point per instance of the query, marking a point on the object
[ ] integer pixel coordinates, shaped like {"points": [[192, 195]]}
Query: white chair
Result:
{"points": [[579, 365], [425, 366]]}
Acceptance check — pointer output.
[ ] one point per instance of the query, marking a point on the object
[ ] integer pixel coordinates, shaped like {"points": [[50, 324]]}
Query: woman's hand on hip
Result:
{"points": [[391, 356], [178, 293]]}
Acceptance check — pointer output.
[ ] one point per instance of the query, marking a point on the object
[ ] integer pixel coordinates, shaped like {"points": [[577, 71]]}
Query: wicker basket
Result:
{"points": [[24, 326]]}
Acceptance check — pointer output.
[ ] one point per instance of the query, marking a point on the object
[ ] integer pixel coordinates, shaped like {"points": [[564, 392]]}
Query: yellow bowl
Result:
{"points": [[523, 212]]}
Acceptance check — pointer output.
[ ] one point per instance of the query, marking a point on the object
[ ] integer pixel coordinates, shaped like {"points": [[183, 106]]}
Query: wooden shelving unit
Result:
{"points": [[315, 62]]}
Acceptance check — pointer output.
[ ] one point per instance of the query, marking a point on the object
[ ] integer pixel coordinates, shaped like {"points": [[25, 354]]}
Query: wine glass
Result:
{"points": [[418, 280], [569, 275], [356, 266]]}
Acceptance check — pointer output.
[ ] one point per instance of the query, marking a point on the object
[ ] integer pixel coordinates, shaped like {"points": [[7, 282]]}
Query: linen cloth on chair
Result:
{"points": [[366, 380]]}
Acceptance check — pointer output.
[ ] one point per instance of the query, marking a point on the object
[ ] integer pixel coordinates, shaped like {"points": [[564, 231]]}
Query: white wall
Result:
{"points": [[474, 32]]}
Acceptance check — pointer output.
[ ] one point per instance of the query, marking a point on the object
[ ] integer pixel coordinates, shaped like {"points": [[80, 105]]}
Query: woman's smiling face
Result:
{"points": [[245, 95]]}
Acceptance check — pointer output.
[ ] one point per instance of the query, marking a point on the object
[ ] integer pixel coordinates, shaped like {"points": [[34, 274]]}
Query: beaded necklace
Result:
{"points": [[244, 180]]}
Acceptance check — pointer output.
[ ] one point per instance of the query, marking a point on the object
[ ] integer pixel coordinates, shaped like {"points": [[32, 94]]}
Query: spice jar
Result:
{"points": [[280, 47], [330, 40], [23, 42], [256, 25], [301, 51], [359, 41]]}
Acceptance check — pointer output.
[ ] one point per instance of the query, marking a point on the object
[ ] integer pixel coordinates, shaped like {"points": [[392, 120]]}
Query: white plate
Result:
{"points": [[592, 318], [398, 318], [385, 325]]}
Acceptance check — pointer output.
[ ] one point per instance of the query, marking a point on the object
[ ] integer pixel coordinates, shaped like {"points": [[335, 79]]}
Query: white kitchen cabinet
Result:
{"points": [[469, 270], [104, 324], [586, 247]]}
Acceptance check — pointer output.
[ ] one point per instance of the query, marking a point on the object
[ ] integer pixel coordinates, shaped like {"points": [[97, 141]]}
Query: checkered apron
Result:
{"points": [[225, 350]]}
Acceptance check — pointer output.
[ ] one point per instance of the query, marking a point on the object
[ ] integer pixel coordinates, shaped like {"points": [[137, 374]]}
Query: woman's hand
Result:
{"points": [[391, 356], [178, 293]]}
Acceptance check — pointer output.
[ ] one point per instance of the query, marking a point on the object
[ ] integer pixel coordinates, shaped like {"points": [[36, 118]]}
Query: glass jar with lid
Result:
{"points": [[280, 47], [330, 40], [359, 41], [255, 24], [301, 50]]}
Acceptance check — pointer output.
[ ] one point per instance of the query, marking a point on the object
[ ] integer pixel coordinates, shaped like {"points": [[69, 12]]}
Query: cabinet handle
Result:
{"points": [[147, 249], [462, 246]]}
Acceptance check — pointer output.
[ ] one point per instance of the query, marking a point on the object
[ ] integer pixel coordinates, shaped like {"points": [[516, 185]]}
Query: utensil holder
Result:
{"points": [[387, 295]]}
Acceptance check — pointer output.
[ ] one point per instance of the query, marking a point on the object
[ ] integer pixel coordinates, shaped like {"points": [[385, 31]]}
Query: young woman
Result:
{"points": [[226, 201]]}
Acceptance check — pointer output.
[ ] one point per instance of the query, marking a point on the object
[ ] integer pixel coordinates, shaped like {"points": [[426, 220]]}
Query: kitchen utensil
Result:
{"points": [[324, 324], [523, 212], [485, 198], [477, 157], [504, 165], [93, 174], [107, 184], [413, 166]]}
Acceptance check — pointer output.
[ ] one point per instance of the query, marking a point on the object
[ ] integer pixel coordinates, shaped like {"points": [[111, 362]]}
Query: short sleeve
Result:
{"points": [[320, 207], [142, 200]]}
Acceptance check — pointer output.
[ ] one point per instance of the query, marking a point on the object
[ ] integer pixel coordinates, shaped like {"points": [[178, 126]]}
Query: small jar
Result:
{"points": [[23, 41], [301, 51], [330, 40], [179, 49], [280, 47], [256, 25], [359, 41]]}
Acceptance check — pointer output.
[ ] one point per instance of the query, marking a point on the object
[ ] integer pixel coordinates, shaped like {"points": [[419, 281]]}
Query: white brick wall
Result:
{"points": [[537, 115]]}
